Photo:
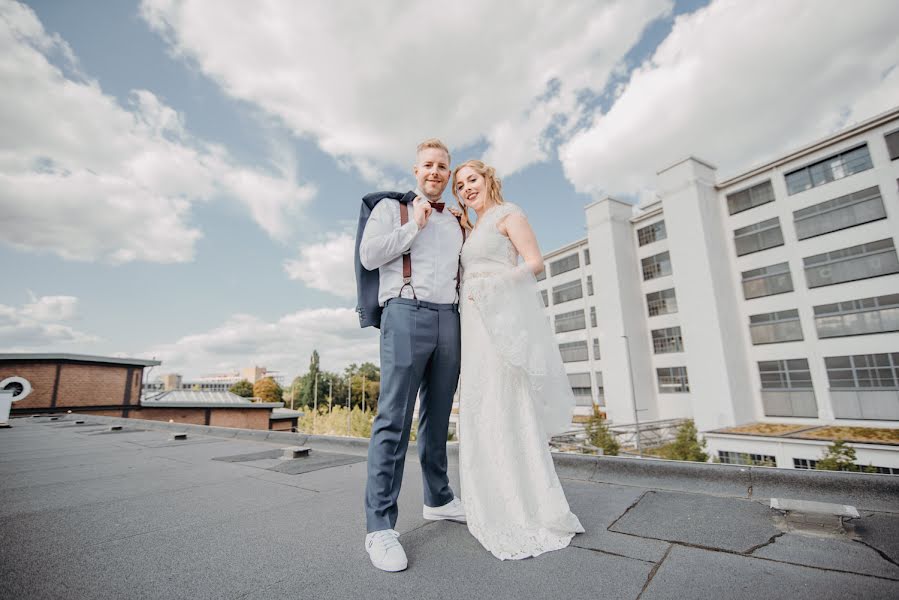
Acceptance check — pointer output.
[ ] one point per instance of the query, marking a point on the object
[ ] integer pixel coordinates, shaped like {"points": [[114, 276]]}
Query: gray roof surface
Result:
{"points": [[203, 399], [91, 513], [112, 360]]}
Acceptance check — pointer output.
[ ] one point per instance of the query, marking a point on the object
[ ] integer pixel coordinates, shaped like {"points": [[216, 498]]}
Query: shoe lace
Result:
{"points": [[386, 539]]}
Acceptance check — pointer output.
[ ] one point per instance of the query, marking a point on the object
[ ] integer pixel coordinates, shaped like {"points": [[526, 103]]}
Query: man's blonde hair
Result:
{"points": [[433, 143]]}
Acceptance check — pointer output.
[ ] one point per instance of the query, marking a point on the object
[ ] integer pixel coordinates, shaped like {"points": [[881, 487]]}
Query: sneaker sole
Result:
{"points": [[403, 568], [435, 518]]}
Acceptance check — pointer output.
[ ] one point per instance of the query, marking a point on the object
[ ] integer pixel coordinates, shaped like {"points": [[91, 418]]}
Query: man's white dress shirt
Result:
{"points": [[434, 249]]}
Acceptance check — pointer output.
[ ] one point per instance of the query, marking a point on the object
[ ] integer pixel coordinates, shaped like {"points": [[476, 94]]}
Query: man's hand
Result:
{"points": [[421, 212]]}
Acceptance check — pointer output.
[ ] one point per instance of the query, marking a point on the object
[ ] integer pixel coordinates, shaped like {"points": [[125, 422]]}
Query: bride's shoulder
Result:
{"points": [[507, 208]]}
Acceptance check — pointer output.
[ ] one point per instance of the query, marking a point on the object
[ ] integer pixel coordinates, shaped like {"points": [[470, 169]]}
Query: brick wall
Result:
{"points": [[283, 424], [243, 418], [79, 384], [40, 375]]}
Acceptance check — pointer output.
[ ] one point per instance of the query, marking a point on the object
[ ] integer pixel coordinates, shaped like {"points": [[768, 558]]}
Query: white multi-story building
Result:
{"points": [[770, 297]]}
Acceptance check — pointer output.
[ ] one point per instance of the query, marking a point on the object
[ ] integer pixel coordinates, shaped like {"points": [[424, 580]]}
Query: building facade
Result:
{"points": [[771, 296]]}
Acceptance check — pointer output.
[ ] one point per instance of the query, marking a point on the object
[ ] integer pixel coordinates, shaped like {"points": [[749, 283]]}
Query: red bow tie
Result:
{"points": [[438, 206]]}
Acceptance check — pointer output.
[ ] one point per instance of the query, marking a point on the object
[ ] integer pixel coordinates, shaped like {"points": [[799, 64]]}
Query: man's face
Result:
{"points": [[432, 172]]}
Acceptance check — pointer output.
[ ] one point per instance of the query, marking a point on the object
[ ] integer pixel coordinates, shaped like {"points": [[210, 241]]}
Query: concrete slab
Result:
{"points": [[880, 531], [723, 523], [829, 553], [697, 573], [811, 507], [600, 505]]}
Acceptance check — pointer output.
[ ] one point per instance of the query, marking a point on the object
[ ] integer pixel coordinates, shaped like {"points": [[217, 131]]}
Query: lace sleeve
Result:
{"points": [[504, 210], [510, 307]]}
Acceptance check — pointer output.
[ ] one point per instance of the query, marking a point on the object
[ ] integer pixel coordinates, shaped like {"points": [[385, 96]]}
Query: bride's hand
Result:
{"points": [[455, 210]]}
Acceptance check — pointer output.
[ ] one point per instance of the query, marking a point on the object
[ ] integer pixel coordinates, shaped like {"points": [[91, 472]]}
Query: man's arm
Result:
{"points": [[382, 241]]}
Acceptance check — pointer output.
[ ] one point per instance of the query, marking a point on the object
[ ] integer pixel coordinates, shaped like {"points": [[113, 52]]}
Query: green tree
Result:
{"points": [[369, 374], [841, 457], [267, 390], [686, 445], [598, 433], [242, 388]]}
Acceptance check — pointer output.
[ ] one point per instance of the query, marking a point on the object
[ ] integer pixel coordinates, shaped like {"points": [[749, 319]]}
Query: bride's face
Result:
{"points": [[472, 189]]}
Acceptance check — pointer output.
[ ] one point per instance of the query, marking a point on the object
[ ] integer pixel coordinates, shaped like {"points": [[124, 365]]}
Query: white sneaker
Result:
{"points": [[385, 551], [451, 511]]}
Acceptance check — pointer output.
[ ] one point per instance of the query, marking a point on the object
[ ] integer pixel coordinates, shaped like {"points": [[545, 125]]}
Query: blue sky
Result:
{"points": [[181, 178]]}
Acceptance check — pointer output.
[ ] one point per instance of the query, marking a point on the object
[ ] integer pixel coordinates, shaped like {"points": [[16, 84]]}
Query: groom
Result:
{"points": [[420, 351]]}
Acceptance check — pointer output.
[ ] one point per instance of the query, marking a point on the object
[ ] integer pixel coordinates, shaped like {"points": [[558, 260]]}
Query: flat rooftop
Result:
{"points": [[93, 513]]}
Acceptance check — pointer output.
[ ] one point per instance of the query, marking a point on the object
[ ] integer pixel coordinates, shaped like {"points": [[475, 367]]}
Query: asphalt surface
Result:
{"points": [[90, 513]]}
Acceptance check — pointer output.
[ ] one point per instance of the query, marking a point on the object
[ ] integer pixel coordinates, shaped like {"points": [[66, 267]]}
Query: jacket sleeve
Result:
{"points": [[382, 240]]}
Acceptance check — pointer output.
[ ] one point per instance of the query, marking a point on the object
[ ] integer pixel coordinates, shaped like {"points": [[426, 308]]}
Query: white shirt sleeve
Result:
{"points": [[382, 240]]}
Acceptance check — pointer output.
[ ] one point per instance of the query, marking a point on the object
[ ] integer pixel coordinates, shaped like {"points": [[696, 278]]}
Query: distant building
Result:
{"points": [[212, 383], [772, 297]]}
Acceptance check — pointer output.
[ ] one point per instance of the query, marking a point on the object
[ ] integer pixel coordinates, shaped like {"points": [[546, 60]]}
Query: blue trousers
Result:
{"points": [[420, 355]]}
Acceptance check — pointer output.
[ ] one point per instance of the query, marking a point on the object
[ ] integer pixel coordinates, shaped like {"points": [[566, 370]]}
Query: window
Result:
{"points": [[596, 355], [667, 340], [600, 389], [756, 195], [541, 275], [545, 297], [790, 374], [863, 371], [849, 264], [805, 463], [656, 266], [563, 265], [840, 213], [767, 281], [651, 233], [830, 169], [781, 326], [892, 140], [573, 351], [592, 316], [758, 236], [673, 380], [587, 256], [856, 317], [570, 321], [580, 385], [589, 285], [568, 291], [745, 458], [662, 302], [809, 463]]}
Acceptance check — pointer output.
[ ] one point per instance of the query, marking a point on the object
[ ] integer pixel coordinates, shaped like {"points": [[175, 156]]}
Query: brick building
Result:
{"points": [[103, 385]]}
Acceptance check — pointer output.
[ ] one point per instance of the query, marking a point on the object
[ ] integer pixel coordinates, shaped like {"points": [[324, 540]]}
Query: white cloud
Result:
{"points": [[37, 324], [88, 178], [51, 308], [326, 266], [369, 82], [737, 83], [284, 345]]}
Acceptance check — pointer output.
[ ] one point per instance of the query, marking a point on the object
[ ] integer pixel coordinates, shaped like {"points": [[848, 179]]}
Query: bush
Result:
{"points": [[840, 457], [686, 445], [598, 433]]}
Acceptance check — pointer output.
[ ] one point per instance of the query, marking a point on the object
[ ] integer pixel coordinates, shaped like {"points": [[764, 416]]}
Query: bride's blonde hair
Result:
{"points": [[493, 184]]}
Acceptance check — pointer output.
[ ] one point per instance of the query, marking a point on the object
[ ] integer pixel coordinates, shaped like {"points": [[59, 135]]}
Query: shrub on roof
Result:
{"points": [[686, 445]]}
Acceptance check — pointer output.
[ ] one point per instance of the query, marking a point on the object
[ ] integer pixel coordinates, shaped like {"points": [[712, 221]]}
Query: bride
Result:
{"points": [[514, 390]]}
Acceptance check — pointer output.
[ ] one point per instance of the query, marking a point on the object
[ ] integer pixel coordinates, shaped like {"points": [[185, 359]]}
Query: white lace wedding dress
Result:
{"points": [[514, 395]]}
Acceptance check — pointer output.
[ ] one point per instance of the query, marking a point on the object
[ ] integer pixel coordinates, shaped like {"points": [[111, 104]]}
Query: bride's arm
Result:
{"points": [[518, 230]]}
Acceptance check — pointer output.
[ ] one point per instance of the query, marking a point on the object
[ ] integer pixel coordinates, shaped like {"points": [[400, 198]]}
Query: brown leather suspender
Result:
{"points": [[407, 256]]}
